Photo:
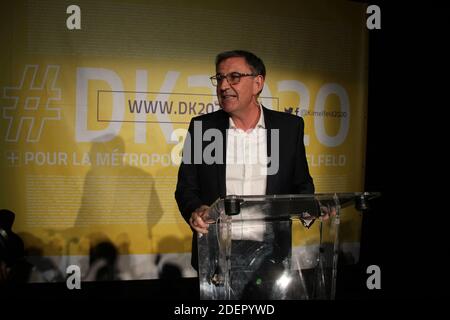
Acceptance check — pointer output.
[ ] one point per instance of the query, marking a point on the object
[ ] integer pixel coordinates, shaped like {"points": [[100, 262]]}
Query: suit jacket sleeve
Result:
{"points": [[303, 182], [187, 193]]}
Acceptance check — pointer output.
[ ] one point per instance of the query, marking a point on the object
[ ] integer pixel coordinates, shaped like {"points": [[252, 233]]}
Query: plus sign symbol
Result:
{"points": [[30, 104], [13, 158]]}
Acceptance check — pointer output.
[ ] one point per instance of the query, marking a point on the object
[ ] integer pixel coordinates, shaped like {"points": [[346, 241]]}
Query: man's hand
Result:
{"points": [[199, 220], [328, 212]]}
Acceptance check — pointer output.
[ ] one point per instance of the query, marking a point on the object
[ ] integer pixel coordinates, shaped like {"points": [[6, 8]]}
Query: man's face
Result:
{"points": [[235, 98]]}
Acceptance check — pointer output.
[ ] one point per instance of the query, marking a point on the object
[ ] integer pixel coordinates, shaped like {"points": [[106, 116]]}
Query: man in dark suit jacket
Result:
{"points": [[239, 79]]}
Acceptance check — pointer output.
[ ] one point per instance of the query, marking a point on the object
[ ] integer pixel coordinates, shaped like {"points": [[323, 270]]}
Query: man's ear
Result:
{"points": [[258, 84]]}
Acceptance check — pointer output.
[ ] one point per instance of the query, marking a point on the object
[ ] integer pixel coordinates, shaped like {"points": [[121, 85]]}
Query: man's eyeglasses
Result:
{"points": [[232, 78]]}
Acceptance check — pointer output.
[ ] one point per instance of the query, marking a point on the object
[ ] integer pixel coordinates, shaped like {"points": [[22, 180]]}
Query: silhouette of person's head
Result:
{"points": [[12, 250], [106, 144], [11, 245], [6, 219], [104, 256]]}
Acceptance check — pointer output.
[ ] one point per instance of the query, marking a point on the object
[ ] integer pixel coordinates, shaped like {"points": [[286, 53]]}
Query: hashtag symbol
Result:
{"points": [[32, 103]]}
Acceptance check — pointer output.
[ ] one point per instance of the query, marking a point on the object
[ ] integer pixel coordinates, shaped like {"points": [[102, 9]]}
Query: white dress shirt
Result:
{"points": [[246, 173]]}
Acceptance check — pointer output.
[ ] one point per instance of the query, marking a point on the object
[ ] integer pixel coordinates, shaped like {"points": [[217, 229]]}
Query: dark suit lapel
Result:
{"points": [[271, 179], [223, 125]]}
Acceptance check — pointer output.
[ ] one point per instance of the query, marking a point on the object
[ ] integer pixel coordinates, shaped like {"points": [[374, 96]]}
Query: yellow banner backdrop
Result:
{"points": [[92, 97]]}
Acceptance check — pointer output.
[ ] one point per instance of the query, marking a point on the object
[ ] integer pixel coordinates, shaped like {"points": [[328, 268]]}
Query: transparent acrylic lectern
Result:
{"points": [[247, 252]]}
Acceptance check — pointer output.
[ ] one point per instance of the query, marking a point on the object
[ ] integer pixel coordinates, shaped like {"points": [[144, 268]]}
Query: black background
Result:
{"points": [[405, 234], [405, 231]]}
